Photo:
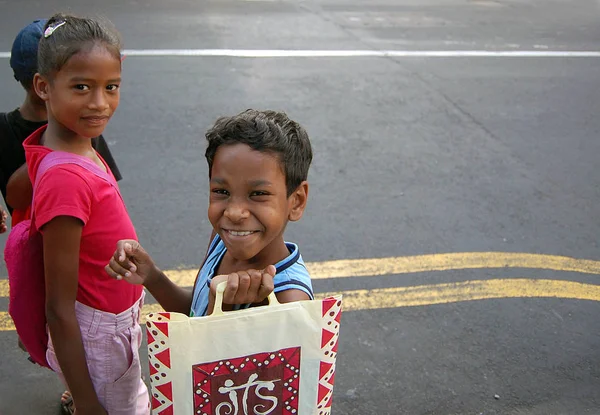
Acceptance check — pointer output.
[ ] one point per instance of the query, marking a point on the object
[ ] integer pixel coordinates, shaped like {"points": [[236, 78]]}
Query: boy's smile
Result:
{"points": [[249, 207]]}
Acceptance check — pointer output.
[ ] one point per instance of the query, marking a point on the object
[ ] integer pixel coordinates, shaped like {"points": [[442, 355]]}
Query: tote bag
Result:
{"points": [[271, 360]]}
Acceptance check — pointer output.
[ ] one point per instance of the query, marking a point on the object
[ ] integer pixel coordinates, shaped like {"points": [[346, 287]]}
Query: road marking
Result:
{"points": [[291, 53], [6, 323], [372, 267], [450, 261], [425, 295]]}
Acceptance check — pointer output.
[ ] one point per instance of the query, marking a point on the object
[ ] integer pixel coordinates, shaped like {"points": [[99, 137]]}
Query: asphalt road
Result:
{"points": [[413, 156]]}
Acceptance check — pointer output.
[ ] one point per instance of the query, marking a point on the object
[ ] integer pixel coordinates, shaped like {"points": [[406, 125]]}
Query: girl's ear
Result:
{"points": [[297, 202], [41, 86]]}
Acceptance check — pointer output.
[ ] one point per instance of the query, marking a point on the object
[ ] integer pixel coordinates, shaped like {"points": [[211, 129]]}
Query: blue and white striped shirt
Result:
{"points": [[291, 274]]}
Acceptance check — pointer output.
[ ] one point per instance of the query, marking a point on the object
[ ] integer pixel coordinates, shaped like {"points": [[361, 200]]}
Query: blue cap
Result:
{"points": [[23, 56]]}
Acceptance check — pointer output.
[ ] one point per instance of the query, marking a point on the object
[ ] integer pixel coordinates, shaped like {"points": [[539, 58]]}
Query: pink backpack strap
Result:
{"points": [[56, 158]]}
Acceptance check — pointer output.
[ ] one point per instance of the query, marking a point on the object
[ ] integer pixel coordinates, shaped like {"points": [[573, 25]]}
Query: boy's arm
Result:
{"points": [[292, 295], [62, 236], [19, 190], [169, 295], [133, 264]]}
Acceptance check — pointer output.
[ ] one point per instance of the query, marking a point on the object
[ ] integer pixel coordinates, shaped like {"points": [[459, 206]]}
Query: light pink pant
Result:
{"points": [[111, 343]]}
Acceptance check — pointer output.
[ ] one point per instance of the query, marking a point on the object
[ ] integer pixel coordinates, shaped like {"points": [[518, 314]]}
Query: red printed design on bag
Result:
{"points": [[160, 363], [260, 384], [332, 314]]}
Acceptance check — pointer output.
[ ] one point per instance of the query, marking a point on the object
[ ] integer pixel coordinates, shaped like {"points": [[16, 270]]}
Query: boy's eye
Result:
{"points": [[82, 87], [259, 193], [220, 192], [112, 87]]}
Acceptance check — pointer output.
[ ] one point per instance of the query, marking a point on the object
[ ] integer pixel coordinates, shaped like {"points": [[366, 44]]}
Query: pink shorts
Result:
{"points": [[111, 343]]}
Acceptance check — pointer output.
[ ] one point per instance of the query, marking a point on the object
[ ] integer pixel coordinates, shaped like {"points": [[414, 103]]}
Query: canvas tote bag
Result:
{"points": [[271, 360]]}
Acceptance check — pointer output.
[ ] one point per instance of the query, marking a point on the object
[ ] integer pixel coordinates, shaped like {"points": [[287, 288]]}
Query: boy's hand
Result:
{"points": [[245, 287], [3, 217], [130, 262]]}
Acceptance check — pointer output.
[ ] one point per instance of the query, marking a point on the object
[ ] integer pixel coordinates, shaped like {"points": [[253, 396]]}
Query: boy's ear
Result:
{"points": [[41, 86], [297, 201]]}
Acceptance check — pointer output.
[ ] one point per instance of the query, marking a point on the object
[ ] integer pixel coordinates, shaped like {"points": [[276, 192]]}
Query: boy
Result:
{"points": [[258, 166], [19, 124]]}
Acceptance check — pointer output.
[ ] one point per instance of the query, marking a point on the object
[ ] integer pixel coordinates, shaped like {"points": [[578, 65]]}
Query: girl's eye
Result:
{"points": [[259, 193], [112, 87], [220, 192], [82, 87]]}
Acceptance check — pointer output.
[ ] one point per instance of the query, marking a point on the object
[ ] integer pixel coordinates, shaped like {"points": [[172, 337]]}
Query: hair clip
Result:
{"points": [[50, 29]]}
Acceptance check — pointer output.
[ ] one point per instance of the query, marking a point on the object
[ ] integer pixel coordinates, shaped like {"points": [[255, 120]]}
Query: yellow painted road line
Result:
{"points": [[424, 295], [6, 323], [422, 263], [344, 268], [452, 261]]}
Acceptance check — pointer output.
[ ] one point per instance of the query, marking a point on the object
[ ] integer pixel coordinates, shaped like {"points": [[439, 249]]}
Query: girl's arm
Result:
{"points": [[3, 217], [133, 264], [62, 236], [19, 190]]}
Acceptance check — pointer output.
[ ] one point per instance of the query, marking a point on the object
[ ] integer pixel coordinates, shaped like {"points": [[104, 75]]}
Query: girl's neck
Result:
{"points": [[57, 137]]}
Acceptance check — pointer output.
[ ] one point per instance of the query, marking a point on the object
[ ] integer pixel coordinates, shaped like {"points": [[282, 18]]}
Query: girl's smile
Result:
{"points": [[97, 120]]}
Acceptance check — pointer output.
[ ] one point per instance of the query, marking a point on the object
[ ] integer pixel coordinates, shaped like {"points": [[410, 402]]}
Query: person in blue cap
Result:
{"points": [[17, 125]]}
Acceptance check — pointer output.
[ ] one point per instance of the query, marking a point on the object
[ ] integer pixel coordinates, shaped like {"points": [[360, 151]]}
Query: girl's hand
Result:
{"points": [[130, 262], [245, 287], [3, 217]]}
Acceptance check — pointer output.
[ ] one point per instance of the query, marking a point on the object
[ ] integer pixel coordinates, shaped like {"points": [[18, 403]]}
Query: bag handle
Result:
{"points": [[218, 308]]}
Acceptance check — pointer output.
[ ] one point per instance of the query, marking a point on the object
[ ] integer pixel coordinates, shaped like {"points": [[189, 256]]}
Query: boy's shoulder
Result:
{"points": [[292, 273], [15, 128], [12, 154], [7, 124]]}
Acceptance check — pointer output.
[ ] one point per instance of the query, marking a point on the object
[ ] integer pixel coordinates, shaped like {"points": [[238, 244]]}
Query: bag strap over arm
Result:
{"points": [[57, 158]]}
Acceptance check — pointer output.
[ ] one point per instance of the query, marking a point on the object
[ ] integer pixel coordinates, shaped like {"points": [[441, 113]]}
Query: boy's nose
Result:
{"points": [[236, 212]]}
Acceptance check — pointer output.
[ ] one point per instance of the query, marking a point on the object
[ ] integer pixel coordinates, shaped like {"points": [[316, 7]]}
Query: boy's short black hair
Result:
{"points": [[265, 131]]}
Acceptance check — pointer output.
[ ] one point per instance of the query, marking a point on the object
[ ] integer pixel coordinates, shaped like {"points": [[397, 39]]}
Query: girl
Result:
{"points": [[92, 319]]}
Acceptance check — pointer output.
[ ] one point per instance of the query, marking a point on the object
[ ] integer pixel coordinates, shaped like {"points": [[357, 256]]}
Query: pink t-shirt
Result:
{"points": [[71, 190]]}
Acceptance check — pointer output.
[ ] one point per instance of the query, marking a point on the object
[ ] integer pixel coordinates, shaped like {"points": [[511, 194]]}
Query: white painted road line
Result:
{"points": [[287, 53]]}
